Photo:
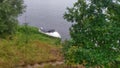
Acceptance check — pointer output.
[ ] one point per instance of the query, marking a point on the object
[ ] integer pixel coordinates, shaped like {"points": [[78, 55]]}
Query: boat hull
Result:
{"points": [[53, 34]]}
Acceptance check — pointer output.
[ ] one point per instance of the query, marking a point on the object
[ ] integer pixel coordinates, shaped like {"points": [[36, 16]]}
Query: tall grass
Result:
{"points": [[28, 46]]}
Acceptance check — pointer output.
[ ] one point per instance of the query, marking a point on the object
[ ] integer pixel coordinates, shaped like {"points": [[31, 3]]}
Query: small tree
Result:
{"points": [[95, 32], [9, 11]]}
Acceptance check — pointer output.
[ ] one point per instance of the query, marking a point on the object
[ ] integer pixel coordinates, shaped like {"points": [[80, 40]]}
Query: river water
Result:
{"points": [[47, 14]]}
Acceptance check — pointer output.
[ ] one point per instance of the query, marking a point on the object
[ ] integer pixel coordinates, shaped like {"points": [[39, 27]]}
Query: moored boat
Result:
{"points": [[50, 32]]}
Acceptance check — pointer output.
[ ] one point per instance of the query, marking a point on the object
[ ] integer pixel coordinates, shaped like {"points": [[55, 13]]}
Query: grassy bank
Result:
{"points": [[28, 46]]}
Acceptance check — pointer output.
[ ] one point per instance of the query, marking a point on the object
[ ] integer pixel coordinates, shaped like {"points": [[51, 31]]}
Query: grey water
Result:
{"points": [[47, 14]]}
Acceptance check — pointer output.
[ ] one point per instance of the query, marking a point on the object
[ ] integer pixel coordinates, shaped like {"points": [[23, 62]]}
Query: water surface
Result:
{"points": [[48, 14]]}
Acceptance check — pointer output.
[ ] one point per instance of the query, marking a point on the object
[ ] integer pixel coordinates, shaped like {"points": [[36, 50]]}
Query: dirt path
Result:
{"points": [[41, 65]]}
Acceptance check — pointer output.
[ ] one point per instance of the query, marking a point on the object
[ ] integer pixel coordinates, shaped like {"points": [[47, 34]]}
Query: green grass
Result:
{"points": [[28, 46], [31, 33]]}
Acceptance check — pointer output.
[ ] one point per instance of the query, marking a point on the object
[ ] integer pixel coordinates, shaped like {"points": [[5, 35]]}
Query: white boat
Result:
{"points": [[50, 32]]}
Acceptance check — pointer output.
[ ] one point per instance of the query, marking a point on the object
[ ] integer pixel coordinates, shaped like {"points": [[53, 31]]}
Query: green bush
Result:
{"points": [[95, 32], [9, 11]]}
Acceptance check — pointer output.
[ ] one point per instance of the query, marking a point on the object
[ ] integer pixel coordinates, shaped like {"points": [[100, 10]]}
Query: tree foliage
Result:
{"points": [[95, 31], [9, 11]]}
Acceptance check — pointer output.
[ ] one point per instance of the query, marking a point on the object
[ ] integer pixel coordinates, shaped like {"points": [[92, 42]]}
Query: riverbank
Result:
{"points": [[28, 47]]}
